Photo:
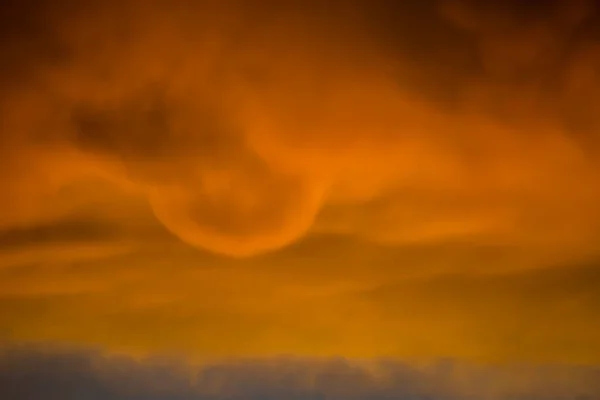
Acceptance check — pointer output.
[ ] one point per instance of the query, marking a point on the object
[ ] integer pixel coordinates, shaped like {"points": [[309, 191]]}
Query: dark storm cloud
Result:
{"points": [[79, 375]]}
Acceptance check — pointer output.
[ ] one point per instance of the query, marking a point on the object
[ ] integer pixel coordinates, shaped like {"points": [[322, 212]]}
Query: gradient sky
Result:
{"points": [[402, 194]]}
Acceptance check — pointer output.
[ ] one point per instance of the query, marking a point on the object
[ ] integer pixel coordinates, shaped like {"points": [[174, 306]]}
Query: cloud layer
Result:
{"points": [[422, 174], [324, 296], [85, 375], [247, 127]]}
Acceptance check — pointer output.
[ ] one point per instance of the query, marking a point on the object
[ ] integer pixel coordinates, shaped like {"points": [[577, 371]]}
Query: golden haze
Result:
{"points": [[463, 173]]}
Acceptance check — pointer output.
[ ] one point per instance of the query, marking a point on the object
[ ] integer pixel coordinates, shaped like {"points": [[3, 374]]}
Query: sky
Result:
{"points": [[263, 199]]}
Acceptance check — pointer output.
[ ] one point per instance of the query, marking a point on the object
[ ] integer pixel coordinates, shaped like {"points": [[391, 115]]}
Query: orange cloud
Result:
{"points": [[247, 129], [411, 179]]}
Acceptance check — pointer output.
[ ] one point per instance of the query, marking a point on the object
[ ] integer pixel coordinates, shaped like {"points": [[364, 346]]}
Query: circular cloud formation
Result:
{"points": [[240, 213]]}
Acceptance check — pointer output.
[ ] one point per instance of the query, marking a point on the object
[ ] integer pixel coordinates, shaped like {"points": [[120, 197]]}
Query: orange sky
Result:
{"points": [[231, 179]]}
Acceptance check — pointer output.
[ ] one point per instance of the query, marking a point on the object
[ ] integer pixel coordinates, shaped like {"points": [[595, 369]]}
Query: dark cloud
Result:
{"points": [[66, 232], [79, 375]]}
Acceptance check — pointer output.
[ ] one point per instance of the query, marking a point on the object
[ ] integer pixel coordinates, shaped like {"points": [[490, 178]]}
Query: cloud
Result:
{"points": [[411, 178], [324, 296], [43, 374], [247, 128], [356, 149]]}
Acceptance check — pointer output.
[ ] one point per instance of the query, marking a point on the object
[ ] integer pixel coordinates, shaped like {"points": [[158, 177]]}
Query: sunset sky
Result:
{"points": [[299, 199]]}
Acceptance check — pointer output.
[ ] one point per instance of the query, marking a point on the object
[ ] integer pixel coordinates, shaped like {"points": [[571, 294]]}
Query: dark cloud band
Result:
{"points": [[40, 375]]}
